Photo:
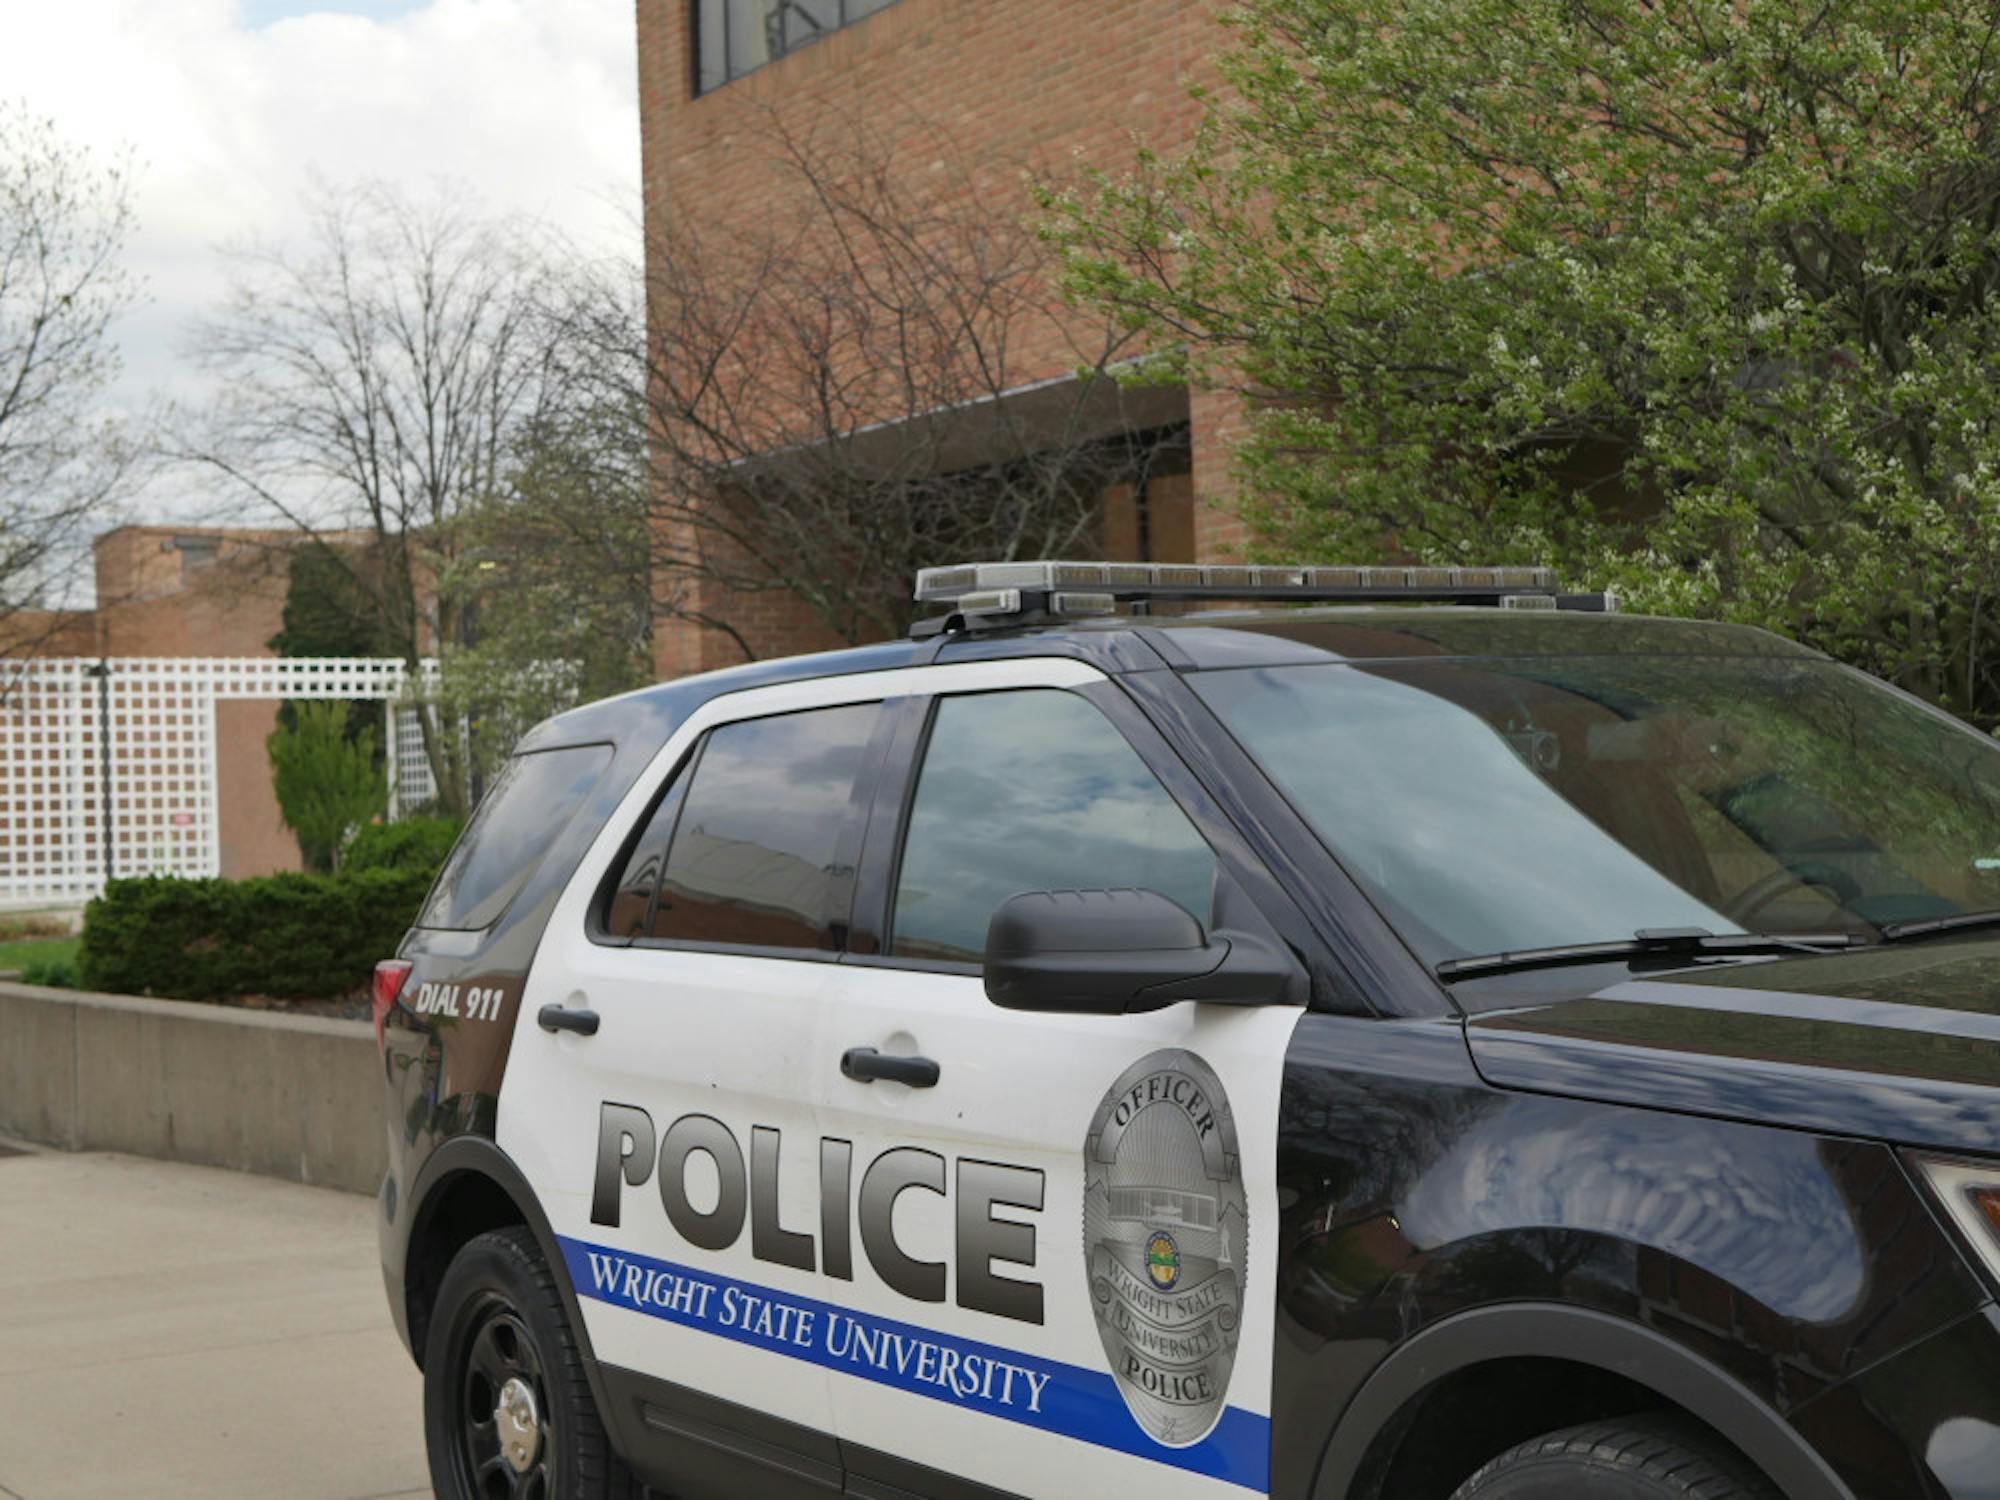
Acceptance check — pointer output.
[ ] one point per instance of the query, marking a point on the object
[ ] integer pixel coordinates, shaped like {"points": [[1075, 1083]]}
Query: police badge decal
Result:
{"points": [[1166, 1236]]}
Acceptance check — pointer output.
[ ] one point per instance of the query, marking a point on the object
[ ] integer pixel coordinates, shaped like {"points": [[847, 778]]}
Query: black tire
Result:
{"points": [[499, 1318], [1657, 1457]]}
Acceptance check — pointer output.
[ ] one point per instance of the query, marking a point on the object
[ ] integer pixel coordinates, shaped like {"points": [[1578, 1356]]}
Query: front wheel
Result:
{"points": [[1631, 1458], [508, 1413]]}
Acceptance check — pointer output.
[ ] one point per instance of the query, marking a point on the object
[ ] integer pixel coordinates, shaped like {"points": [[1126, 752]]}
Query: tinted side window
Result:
{"points": [[631, 909], [530, 802], [1029, 791], [754, 849]]}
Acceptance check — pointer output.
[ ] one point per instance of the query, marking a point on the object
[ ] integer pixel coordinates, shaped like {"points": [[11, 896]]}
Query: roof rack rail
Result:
{"points": [[993, 596]]}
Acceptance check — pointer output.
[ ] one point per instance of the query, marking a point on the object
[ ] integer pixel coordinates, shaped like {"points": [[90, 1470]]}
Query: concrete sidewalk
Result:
{"points": [[174, 1331]]}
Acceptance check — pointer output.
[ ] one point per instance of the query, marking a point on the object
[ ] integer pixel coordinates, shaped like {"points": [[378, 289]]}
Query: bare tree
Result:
{"points": [[845, 391], [64, 221], [373, 385], [557, 567]]}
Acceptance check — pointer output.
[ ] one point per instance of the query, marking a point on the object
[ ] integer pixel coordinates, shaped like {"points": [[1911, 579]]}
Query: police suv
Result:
{"points": [[1465, 1042]]}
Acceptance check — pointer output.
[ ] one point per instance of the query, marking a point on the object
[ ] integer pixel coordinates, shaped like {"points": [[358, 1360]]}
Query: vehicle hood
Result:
{"points": [[1897, 1044]]}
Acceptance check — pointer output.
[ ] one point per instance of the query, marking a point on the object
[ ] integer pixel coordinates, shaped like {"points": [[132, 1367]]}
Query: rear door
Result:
{"points": [[1064, 1284], [675, 1151], [709, 1223]]}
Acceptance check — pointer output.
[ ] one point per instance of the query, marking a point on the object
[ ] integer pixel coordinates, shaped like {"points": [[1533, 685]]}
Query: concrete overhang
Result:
{"points": [[1064, 412]]}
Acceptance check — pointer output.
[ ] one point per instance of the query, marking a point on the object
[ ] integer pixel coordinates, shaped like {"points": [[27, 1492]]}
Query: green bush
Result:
{"points": [[411, 844], [53, 973], [325, 783], [293, 936]]}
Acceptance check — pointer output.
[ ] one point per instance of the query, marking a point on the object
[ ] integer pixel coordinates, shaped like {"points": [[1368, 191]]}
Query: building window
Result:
{"points": [[734, 37]]}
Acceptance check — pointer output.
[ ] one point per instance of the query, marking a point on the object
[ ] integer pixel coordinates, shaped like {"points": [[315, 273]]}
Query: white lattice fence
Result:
{"points": [[162, 792], [410, 781], [49, 789]]}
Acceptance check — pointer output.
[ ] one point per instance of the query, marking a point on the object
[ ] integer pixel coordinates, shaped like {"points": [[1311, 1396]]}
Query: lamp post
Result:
{"points": [[102, 672]]}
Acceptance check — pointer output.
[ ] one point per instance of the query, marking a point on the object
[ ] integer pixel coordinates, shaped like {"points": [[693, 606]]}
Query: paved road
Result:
{"points": [[180, 1333]]}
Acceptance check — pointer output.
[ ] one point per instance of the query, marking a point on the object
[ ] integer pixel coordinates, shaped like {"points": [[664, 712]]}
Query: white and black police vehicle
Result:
{"points": [[1421, 1037]]}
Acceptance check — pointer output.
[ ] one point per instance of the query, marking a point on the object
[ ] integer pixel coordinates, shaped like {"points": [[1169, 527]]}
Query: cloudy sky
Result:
{"points": [[228, 108]]}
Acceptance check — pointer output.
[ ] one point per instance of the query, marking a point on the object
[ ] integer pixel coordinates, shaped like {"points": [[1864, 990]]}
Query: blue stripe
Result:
{"points": [[1061, 1398]]}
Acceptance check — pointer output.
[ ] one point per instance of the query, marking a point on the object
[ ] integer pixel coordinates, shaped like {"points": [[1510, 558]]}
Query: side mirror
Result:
{"points": [[1109, 952]]}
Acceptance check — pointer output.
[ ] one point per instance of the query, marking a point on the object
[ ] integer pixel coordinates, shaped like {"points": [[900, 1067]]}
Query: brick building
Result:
{"points": [[1022, 84], [208, 591], [178, 591]]}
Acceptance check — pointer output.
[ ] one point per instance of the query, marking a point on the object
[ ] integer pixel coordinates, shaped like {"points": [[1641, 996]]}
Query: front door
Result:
{"points": [[1066, 1242]]}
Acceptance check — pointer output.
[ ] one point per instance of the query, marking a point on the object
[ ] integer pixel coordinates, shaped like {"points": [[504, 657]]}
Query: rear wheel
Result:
{"points": [[1631, 1458], [508, 1413]]}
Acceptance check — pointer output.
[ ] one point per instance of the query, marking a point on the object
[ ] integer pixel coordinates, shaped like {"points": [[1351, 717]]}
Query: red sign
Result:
{"points": [[183, 820]]}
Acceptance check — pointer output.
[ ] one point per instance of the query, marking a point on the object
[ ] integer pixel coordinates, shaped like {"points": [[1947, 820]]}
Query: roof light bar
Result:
{"points": [[988, 602], [1113, 581], [1073, 605]]}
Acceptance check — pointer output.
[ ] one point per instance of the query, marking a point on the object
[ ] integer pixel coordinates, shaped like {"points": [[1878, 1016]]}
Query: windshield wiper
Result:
{"points": [[1648, 942], [1958, 921]]}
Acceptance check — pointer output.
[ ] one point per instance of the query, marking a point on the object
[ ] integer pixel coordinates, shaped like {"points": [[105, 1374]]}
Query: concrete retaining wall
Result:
{"points": [[286, 1096]]}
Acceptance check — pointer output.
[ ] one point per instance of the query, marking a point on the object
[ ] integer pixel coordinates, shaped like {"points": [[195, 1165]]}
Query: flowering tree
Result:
{"points": [[1694, 298]]}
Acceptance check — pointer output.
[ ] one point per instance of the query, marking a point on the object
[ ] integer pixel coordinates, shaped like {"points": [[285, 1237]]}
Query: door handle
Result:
{"points": [[556, 1018], [865, 1065]]}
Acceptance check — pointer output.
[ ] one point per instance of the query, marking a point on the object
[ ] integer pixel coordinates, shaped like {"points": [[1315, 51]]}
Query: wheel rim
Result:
{"points": [[505, 1443]]}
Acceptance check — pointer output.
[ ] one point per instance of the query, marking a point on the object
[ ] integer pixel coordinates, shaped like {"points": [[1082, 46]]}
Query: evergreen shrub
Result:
{"points": [[409, 844], [293, 936]]}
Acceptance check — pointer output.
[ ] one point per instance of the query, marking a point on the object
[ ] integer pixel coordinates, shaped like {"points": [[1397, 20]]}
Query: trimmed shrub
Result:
{"points": [[51, 973], [292, 936], [411, 844]]}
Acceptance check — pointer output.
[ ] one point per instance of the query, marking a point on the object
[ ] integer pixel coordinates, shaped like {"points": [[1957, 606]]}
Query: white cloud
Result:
{"points": [[532, 103]]}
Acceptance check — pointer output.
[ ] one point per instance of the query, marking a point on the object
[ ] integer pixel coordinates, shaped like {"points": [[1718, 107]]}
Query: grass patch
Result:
{"points": [[20, 955]]}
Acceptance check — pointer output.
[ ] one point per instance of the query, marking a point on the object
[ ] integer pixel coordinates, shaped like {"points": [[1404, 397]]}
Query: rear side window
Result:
{"points": [[634, 902], [526, 808], [751, 831]]}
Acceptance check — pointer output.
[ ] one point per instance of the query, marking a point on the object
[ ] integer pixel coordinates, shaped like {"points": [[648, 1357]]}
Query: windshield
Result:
{"points": [[1514, 804]]}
